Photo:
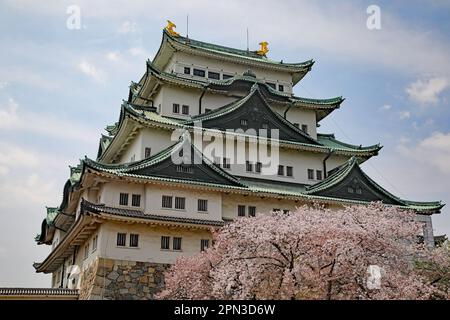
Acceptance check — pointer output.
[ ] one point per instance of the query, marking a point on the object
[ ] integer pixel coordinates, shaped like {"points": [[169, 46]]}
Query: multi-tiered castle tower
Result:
{"points": [[131, 212]]}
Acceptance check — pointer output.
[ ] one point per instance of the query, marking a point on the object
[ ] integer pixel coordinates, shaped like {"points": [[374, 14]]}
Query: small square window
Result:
{"points": [[281, 170], [289, 171], [202, 205], [244, 122], [167, 201], [204, 244], [177, 243], [350, 190], [251, 211], [280, 87], [136, 200], [175, 108], [304, 128], [180, 203], [310, 174], [123, 199], [248, 166], [121, 239], [318, 174], [187, 70], [165, 243], [148, 152], [241, 211], [199, 72], [134, 240], [213, 75], [185, 109]]}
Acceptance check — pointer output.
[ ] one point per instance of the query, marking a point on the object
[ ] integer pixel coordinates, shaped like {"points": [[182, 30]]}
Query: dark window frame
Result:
{"points": [[180, 203], [176, 108], [177, 243], [123, 199], [199, 72], [135, 200], [165, 202], [134, 240], [241, 210], [310, 174], [202, 205], [165, 243], [121, 239]]}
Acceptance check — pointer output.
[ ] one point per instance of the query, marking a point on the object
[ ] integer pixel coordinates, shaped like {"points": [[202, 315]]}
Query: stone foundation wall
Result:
{"points": [[110, 279]]}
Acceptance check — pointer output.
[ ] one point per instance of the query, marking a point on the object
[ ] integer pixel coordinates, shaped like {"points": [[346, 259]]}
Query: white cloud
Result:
{"points": [[386, 107], [91, 71], [113, 56], [434, 150], [14, 118], [139, 52], [128, 27], [405, 114], [3, 84], [12, 156], [427, 91]]}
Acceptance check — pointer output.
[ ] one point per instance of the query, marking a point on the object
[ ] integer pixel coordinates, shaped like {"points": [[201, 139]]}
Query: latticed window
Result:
{"points": [[289, 171], [176, 243], [136, 200], [248, 166], [134, 240], [304, 128], [202, 205], [319, 174], [281, 170], [199, 72], [94, 243], [251, 211], [121, 239], [165, 243], [258, 167], [204, 244], [123, 199], [176, 108], [184, 169], [185, 109], [167, 201], [244, 122], [180, 203], [241, 211], [148, 152], [226, 163], [213, 75], [310, 174]]}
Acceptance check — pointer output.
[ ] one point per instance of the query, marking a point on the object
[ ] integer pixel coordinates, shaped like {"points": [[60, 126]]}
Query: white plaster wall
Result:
{"points": [[300, 116], [133, 149], [149, 249], [110, 194]]}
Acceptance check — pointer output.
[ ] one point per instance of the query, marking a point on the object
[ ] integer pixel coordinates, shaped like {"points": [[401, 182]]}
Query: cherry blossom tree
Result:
{"points": [[312, 253]]}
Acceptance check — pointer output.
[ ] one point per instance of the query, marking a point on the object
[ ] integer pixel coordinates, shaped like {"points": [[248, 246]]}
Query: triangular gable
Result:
{"points": [[350, 182], [257, 114]]}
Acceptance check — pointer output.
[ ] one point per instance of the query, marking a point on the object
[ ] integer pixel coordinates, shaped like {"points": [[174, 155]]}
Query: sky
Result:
{"points": [[60, 86]]}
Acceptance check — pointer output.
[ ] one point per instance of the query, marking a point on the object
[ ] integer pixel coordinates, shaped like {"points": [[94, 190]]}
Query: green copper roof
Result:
{"points": [[52, 212], [233, 52], [329, 140]]}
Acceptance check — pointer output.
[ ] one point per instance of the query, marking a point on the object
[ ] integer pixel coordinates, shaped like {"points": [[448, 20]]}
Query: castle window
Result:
{"points": [[310, 174], [226, 76], [204, 244], [248, 166], [202, 205], [213, 75], [358, 190], [148, 152], [175, 108], [177, 243], [86, 251], [136, 200], [199, 72], [272, 85], [318, 174], [165, 243], [180, 203], [281, 170], [289, 171], [123, 199], [244, 122], [251, 211], [134, 240], [280, 87], [94, 243], [304, 128], [350, 190], [167, 201], [258, 167], [185, 109], [121, 239], [226, 163], [187, 70], [241, 211], [184, 169]]}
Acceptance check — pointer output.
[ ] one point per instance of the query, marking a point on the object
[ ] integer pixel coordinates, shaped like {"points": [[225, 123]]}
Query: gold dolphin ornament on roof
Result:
{"points": [[170, 26], [263, 49]]}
